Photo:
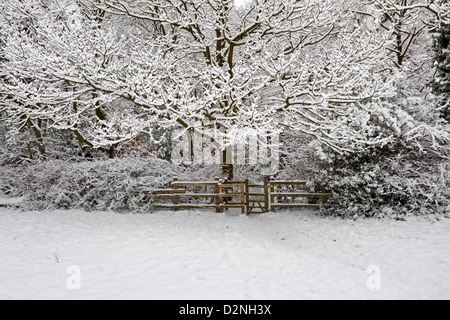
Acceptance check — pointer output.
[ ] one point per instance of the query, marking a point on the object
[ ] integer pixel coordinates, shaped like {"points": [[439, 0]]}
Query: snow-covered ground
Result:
{"points": [[203, 255]]}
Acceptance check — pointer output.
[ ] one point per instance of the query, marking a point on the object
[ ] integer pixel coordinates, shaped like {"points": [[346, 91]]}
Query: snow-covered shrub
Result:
{"points": [[298, 160], [8, 180], [115, 184], [386, 186], [410, 174]]}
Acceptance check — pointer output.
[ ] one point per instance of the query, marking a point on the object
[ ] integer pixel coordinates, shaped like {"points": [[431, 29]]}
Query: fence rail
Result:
{"points": [[250, 198]]}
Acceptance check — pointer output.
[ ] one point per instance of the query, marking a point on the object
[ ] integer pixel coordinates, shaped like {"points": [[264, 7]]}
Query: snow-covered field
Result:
{"points": [[203, 255]]}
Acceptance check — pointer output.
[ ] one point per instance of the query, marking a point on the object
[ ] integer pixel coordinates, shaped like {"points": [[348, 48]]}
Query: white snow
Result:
{"points": [[203, 255], [10, 201]]}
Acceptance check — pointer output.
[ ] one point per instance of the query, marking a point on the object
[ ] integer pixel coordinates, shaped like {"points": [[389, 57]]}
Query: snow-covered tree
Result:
{"points": [[413, 22], [109, 70], [46, 41], [409, 174], [408, 27], [440, 9]]}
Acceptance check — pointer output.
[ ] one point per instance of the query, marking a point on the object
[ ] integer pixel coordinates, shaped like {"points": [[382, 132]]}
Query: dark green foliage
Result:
{"points": [[441, 83], [393, 181]]}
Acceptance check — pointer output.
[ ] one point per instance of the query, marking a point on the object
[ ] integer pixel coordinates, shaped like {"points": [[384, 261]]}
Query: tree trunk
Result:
{"points": [[39, 139], [112, 152], [30, 152], [227, 164]]}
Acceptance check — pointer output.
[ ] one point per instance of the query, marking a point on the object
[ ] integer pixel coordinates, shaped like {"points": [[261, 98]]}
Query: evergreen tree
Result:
{"points": [[441, 84]]}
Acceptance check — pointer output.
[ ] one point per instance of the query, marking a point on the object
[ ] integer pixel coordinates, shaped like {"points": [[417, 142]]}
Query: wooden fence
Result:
{"points": [[223, 195]]}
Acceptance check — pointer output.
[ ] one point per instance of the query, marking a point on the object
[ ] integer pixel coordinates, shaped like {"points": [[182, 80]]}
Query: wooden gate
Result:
{"points": [[223, 195], [256, 199]]}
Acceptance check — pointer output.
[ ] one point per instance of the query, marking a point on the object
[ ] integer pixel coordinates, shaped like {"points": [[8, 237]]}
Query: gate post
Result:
{"points": [[217, 191], [266, 196], [176, 199], [247, 198], [219, 201], [243, 197], [224, 190], [272, 197]]}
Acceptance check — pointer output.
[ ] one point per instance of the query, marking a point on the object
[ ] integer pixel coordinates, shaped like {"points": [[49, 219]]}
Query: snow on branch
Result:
{"points": [[109, 70], [440, 9]]}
